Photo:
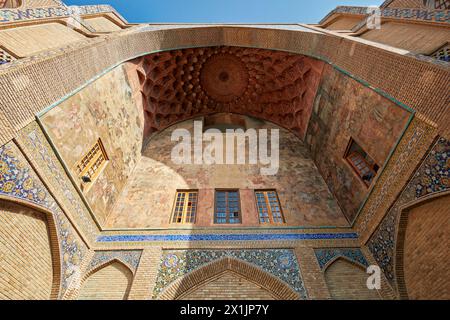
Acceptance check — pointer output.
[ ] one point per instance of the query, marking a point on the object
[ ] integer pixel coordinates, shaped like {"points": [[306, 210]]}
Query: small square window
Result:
{"points": [[363, 165]]}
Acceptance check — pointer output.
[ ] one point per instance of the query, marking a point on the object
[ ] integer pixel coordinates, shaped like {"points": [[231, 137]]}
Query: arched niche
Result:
{"points": [[347, 280], [422, 249], [30, 256], [110, 281], [208, 276]]}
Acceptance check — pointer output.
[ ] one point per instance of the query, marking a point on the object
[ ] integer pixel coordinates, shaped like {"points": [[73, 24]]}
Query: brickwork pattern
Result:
{"points": [[313, 276], [19, 182], [146, 274], [432, 177], [271, 283], [347, 281], [111, 282], [95, 56], [228, 286], [26, 266], [280, 264], [422, 250]]}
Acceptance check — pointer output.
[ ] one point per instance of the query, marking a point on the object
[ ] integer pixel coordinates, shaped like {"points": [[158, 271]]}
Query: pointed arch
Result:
{"points": [[429, 214], [340, 256], [111, 280], [276, 287], [52, 234], [346, 279]]}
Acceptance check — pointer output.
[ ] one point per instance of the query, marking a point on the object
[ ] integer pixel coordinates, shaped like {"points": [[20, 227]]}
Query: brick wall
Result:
{"points": [[228, 286], [26, 270], [425, 262], [145, 277], [112, 282], [348, 281]]}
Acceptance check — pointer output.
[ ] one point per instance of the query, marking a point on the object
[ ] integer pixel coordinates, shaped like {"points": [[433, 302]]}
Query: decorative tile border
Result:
{"points": [[37, 147], [227, 237], [281, 263], [326, 255], [130, 258], [433, 176], [18, 180], [409, 150]]}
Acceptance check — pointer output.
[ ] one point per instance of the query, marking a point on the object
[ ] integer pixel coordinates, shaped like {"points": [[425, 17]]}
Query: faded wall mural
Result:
{"points": [[105, 109], [344, 109]]}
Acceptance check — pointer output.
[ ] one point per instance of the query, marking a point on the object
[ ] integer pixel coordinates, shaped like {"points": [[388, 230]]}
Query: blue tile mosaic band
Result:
{"points": [[227, 237]]}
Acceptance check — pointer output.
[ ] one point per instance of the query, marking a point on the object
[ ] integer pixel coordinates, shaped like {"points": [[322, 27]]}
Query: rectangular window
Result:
{"points": [[90, 166], [364, 166], [227, 209], [269, 208], [185, 208]]}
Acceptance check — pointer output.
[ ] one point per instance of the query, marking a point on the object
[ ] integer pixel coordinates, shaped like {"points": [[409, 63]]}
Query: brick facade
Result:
{"points": [[128, 84]]}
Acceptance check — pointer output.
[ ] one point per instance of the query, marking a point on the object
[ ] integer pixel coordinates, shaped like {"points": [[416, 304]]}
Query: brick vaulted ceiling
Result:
{"points": [[272, 85]]}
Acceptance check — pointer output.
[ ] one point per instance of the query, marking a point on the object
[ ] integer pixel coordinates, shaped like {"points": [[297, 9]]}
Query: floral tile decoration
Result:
{"points": [[433, 176], [325, 256], [281, 263], [18, 180], [129, 258]]}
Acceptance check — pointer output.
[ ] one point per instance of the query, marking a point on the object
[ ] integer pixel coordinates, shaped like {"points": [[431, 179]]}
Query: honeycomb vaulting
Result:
{"points": [[272, 85]]}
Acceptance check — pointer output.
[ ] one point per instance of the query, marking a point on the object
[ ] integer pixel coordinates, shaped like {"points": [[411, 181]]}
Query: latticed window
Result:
{"points": [[361, 162], [443, 53], [5, 57], [269, 208], [227, 210], [185, 208], [90, 166]]}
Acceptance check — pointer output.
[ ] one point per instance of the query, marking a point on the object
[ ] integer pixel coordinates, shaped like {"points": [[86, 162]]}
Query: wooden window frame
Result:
{"points": [[88, 165], [227, 217], [355, 169], [269, 207], [184, 213]]}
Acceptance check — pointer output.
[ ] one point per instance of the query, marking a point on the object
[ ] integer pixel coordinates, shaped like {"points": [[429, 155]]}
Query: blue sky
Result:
{"points": [[248, 11]]}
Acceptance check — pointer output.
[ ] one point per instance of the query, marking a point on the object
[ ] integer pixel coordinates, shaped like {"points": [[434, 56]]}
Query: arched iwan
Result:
{"points": [[277, 288], [109, 281], [420, 265], [32, 235], [346, 280]]}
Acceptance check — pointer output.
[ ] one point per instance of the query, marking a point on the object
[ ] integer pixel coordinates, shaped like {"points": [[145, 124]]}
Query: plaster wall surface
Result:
{"points": [[105, 109], [345, 109], [148, 198]]}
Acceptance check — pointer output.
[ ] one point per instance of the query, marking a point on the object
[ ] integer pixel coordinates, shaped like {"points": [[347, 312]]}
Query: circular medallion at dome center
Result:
{"points": [[224, 77]]}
